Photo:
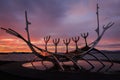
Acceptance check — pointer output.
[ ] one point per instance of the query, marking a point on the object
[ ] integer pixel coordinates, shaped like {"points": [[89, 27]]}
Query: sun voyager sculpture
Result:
{"points": [[72, 56]]}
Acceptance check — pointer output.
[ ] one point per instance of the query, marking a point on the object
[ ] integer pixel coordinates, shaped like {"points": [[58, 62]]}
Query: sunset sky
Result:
{"points": [[60, 19]]}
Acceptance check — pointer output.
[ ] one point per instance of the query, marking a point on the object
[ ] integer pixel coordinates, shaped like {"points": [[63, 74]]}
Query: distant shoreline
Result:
{"points": [[105, 51], [27, 56]]}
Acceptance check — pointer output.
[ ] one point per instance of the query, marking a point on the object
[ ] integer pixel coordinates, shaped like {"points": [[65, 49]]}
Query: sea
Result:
{"points": [[22, 56]]}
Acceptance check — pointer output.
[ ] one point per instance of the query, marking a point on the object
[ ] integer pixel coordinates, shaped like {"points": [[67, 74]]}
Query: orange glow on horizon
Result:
{"points": [[58, 19], [17, 45]]}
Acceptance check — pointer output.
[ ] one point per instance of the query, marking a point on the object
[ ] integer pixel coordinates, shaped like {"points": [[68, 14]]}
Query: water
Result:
{"points": [[29, 57]]}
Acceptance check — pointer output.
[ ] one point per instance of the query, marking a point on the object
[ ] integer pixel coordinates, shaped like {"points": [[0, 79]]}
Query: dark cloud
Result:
{"points": [[52, 8], [40, 11], [59, 16]]}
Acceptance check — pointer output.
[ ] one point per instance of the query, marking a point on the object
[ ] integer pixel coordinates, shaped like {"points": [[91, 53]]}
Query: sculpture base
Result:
{"points": [[70, 67], [25, 70]]}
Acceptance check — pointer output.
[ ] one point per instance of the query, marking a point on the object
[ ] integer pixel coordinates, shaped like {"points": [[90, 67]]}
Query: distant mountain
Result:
{"points": [[111, 52], [105, 51], [15, 52]]}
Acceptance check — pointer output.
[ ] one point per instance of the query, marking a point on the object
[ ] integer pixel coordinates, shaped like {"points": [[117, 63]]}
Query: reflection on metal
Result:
{"points": [[67, 42], [75, 40], [56, 41], [85, 35], [72, 56], [46, 39]]}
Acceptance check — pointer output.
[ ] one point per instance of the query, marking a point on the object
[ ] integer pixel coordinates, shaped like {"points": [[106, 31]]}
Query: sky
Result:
{"points": [[59, 19]]}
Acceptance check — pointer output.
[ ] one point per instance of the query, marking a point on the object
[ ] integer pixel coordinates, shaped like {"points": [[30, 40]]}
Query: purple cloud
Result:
{"points": [[60, 18]]}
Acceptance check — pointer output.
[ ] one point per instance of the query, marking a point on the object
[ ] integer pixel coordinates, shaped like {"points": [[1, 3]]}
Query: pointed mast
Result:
{"points": [[27, 23], [97, 13]]}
